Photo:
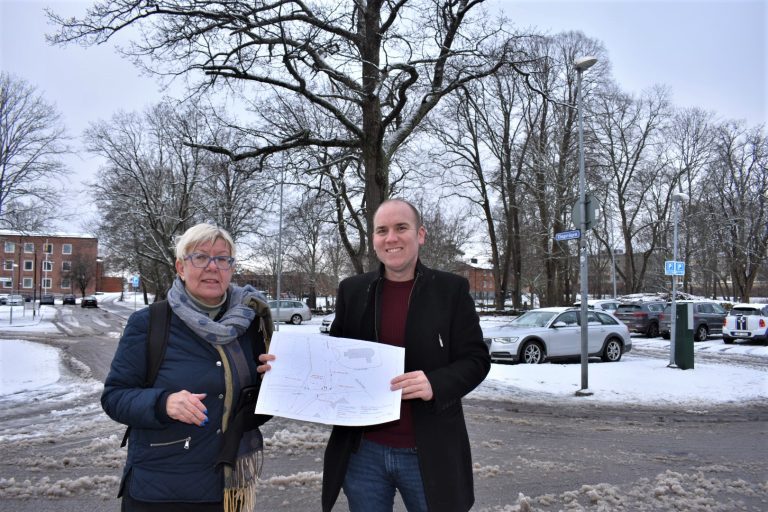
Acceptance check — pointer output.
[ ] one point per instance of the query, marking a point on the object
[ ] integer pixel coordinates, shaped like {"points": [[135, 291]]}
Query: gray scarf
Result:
{"points": [[233, 324]]}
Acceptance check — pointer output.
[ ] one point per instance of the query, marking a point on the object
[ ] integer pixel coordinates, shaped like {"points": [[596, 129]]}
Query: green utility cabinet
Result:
{"points": [[684, 336]]}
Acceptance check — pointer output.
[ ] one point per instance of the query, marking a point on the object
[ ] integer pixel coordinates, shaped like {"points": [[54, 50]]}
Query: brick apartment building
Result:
{"points": [[481, 284], [38, 263]]}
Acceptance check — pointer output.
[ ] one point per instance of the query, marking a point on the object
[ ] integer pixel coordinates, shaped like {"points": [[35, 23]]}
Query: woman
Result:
{"points": [[188, 448]]}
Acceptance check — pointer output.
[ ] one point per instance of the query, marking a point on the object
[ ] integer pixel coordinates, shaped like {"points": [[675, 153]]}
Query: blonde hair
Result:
{"points": [[200, 234]]}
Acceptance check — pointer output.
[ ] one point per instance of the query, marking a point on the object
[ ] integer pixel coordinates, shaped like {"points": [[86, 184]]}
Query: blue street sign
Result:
{"points": [[568, 235], [674, 268], [135, 281]]}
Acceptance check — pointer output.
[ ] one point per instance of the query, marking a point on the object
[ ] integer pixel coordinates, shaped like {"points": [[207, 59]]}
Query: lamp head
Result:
{"points": [[584, 63]]}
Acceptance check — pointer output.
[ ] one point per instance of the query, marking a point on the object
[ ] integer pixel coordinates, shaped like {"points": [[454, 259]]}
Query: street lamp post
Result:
{"points": [[279, 252], [13, 286], [677, 198], [582, 64]]}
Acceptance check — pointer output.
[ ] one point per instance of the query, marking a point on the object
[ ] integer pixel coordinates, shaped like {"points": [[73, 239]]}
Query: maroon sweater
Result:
{"points": [[394, 310]]}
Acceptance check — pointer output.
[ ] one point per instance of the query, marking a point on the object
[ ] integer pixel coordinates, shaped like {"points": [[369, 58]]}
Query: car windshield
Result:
{"points": [[533, 319], [628, 308]]}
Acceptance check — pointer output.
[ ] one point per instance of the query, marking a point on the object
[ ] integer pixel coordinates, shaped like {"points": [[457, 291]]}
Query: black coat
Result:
{"points": [[442, 338]]}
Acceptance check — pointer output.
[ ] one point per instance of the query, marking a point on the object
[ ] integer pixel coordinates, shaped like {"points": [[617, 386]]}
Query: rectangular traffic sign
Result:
{"points": [[568, 235], [674, 268]]}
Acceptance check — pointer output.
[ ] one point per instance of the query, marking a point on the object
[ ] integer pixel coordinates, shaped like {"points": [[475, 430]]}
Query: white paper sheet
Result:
{"points": [[336, 381]]}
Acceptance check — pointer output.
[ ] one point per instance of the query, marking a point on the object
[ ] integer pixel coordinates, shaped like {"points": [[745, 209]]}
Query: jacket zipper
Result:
{"points": [[169, 443]]}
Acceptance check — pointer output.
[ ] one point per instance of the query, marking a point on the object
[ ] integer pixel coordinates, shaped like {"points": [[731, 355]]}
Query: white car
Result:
{"points": [[15, 300], [609, 305], [746, 322], [293, 311], [555, 333], [325, 325]]}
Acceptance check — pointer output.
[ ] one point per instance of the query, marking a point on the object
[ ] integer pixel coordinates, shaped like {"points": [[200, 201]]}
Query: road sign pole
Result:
{"points": [[673, 313], [584, 263]]}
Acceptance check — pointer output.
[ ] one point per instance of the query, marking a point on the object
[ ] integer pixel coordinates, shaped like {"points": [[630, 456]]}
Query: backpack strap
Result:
{"points": [[157, 341]]}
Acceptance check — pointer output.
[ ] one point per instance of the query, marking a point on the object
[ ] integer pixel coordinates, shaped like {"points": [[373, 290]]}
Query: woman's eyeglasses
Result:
{"points": [[200, 260]]}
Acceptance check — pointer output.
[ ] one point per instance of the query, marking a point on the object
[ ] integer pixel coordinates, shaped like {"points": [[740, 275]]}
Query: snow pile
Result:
{"points": [[303, 437], [635, 379], [100, 486], [302, 479], [667, 491]]}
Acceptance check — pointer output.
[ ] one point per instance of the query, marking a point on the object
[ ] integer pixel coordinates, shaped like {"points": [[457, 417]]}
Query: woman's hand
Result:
{"points": [[187, 407], [265, 366]]}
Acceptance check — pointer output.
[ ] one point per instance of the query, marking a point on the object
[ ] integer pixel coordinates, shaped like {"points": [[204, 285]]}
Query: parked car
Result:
{"points": [[47, 300], [89, 302], [325, 324], [608, 305], [69, 300], [15, 300], [641, 317], [708, 319], [555, 333], [293, 311], [3, 299], [746, 322]]}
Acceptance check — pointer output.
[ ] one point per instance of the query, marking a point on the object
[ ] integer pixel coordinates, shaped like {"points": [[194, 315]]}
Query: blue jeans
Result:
{"points": [[376, 471]]}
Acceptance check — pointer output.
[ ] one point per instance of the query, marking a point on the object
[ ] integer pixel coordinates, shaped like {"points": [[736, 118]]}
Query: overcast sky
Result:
{"points": [[712, 54]]}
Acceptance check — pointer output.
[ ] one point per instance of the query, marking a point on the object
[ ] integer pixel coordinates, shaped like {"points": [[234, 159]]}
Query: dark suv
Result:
{"points": [[642, 317], [707, 319]]}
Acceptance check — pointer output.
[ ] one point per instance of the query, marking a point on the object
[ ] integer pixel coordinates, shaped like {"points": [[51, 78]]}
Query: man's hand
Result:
{"points": [[187, 407], [414, 385]]}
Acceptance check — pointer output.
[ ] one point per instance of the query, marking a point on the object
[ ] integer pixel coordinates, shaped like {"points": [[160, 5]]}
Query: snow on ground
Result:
{"points": [[29, 373], [636, 379]]}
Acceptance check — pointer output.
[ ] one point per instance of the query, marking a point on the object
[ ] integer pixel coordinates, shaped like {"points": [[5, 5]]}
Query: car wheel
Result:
{"points": [[653, 330], [612, 351], [701, 333], [727, 340], [296, 319], [665, 335], [532, 353]]}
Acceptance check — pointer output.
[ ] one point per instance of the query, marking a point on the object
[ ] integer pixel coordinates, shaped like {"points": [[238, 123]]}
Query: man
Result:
{"points": [[425, 455]]}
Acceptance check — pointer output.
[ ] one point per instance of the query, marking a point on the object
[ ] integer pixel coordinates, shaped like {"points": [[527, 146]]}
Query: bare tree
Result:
{"points": [[376, 68], [32, 141], [628, 153], [147, 191], [447, 234], [736, 183], [306, 223], [82, 272]]}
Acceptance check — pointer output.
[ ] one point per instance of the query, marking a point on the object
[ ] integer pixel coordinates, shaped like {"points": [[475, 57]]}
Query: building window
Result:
{"points": [[48, 248], [8, 265], [29, 265], [47, 266], [29, 247], [66, 266], [8, 284], [66, 248], [26, 282], [47, 283], [10, 247], [66, 282]]}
